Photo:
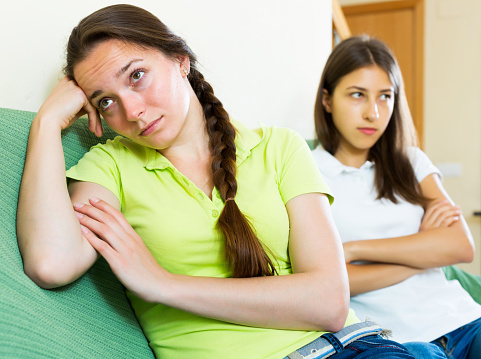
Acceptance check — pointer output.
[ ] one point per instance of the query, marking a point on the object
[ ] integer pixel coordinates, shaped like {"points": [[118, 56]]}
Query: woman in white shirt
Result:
{"points": [[397, 223]]}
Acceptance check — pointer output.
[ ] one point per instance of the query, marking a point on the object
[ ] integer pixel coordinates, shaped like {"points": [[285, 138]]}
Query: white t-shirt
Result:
{"points": [[422, 307]]}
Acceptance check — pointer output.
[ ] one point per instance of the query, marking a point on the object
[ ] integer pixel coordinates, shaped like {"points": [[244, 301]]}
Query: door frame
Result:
{"points": [[417, 6]]}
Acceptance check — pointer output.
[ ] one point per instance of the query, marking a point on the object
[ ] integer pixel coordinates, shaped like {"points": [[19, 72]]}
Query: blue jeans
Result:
{"points": [[372, 347], [423, 350], [462, 343], [369, 347]]}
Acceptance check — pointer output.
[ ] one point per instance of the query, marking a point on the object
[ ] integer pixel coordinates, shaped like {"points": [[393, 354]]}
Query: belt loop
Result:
{"points": [[329, 343], [338, 347]]}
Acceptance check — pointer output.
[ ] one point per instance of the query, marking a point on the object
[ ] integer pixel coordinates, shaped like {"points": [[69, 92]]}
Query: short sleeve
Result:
{"points": [[99, 166], [422, 165], [298, 173]]}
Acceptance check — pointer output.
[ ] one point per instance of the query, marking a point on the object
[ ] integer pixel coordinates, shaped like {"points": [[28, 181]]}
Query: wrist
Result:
{"points": [[42, 123], [163, 288], [350, 251]]}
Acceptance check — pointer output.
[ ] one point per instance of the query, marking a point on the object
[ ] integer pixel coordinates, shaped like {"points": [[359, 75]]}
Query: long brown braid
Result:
{"points": [[243, 250]]}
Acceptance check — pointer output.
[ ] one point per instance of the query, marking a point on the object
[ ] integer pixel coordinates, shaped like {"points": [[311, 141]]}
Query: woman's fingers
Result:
{"points": [[66, 103], [104, 213], [115, 213], [441, 214], [95, 123], [109, 233], [99, 245], [106, 233], [110, 226]]}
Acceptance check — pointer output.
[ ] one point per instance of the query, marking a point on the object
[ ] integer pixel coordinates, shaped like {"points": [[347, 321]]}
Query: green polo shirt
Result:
{"points": [[177, 222]]}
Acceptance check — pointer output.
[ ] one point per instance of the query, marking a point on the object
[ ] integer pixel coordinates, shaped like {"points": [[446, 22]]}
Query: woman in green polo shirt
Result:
{"points": [[221, 234]]}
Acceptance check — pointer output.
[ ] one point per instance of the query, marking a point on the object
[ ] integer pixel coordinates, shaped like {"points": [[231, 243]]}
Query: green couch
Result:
{"points": [[90, 318]]}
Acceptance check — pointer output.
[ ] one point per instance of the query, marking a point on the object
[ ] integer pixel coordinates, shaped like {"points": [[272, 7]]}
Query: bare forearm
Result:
{"points": [[303, 301], [365, 278], [48, 230], [429, 249], [315, 297]]}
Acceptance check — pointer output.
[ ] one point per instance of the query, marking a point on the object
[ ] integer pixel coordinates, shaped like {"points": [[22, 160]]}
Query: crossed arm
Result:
{"points": [[272, 302], [443, 239]]}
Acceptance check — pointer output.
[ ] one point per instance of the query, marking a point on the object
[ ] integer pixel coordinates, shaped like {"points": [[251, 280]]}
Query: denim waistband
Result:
{"points": [[321, 348]]}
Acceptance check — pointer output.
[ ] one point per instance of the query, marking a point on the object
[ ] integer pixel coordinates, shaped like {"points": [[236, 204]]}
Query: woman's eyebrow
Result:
{"points": [[356, 88], [363, 89], [124, 69]]}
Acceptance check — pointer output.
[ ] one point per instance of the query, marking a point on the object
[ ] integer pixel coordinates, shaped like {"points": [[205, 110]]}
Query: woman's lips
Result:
{"points": [[150, 127], [367, 130]]}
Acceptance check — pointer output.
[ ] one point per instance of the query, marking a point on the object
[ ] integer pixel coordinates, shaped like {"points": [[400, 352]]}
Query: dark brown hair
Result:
{"points": [[243, 250], [394, 174]]}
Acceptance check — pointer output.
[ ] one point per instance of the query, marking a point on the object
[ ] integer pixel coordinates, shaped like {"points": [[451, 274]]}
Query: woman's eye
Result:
{"points": [[385, 97], [137, 75], [356, 94], [105, 103]]}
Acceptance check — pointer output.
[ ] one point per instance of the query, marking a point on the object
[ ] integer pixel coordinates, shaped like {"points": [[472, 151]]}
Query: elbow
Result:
{"points": [[465, 250], [336, 323], [468, 253], [332, 318], [45, 273], [460, 250], [339, 316], [465, 244]]}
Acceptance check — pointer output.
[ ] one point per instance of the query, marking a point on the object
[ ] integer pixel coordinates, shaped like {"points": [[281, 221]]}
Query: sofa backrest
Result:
{"points": [[90, 318]]}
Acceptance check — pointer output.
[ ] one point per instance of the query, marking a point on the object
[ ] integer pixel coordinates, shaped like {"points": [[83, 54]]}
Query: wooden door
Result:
{"points": [[401, 25]]}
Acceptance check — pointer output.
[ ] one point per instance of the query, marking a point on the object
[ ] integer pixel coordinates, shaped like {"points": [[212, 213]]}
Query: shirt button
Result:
{"points": [[200, 195], [215, 213]]}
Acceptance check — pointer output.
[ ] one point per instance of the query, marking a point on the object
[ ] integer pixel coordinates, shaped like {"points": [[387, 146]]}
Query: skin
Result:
{"points": [[364, 99], [63, 239], [361, 107]]}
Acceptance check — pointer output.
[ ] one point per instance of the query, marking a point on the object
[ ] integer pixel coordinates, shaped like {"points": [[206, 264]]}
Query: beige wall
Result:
{"points": [[261, 69], [452, 108], [358, 2]]}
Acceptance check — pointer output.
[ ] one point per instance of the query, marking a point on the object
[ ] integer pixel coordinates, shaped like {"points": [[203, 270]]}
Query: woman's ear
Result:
{"points": [[326, 101], [184, 64]]}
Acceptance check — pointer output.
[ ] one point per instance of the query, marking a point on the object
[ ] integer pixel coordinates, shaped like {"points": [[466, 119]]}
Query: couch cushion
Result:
{"points": [[90, 318]]}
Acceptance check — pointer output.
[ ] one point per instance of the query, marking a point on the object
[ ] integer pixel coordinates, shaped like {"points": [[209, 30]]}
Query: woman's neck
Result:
{"points": [[192, 143], [351, 157], [191, 154]]}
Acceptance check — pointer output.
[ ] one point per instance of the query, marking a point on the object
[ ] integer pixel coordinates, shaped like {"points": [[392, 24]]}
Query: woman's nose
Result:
{"points": [[371, 111], [134, 107]]}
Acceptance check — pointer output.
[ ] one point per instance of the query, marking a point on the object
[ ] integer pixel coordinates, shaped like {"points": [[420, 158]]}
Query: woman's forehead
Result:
{"points": [[372, 76]]}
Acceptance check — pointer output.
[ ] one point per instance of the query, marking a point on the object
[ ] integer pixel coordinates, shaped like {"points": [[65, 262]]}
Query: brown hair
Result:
{"points": [[394, 174], [243, 250]]}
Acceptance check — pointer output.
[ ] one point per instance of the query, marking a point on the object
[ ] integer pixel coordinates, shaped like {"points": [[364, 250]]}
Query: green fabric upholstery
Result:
{"points": [[470, 282], [90, 318]]}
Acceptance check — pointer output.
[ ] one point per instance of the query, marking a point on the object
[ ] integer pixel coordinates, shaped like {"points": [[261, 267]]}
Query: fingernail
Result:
{"points": [[94, 199], [78, 205], [455, 218], [83, 229], [79, 215]]}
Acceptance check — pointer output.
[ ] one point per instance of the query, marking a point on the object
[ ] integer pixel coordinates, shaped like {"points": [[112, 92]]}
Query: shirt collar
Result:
{"points": [[333, 166], [246, 139]]}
